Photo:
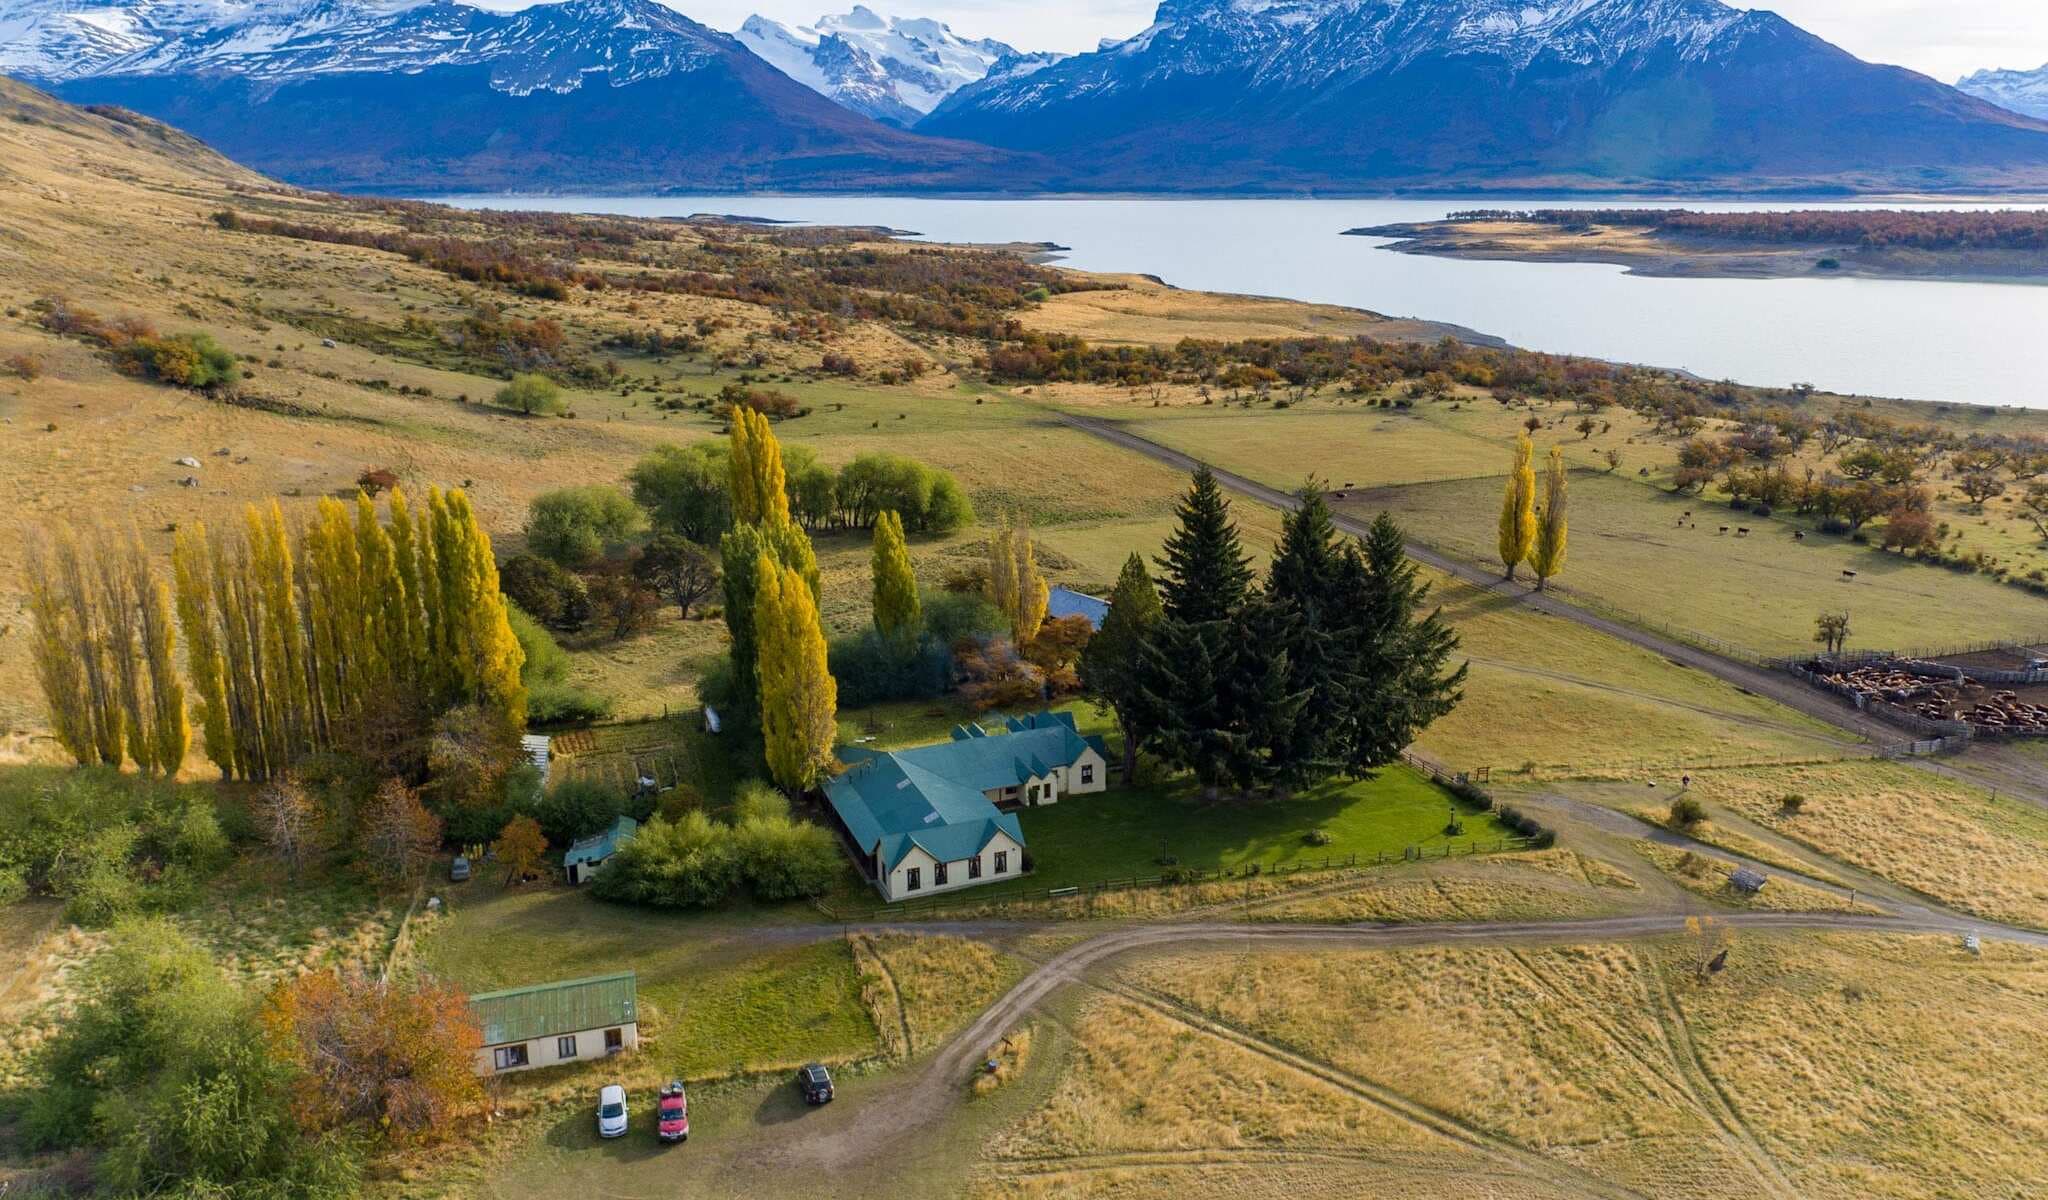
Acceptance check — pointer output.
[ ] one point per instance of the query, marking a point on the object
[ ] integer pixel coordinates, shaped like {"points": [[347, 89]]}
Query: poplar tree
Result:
{"points": [[799, 698], [897, 607], [58, 652], [192, 574], [741, 552], [760, 493], [1546, 557], [1518, 507], [118, 618], [170, 727], [1205, 575], [1110, 664], [1015, 585]]}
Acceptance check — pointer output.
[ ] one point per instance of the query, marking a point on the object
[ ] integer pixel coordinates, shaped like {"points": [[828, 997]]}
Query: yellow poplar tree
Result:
{"points": [[1014, 584], [1546, 557], [192, 572], [759, 488], [1518, 507], [60, 665], [117, 618], [897, 608], [799, 698], [170, 730]]}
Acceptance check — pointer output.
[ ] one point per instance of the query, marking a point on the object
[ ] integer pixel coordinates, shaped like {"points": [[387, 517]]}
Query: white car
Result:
{"points": [[611, 1111]]}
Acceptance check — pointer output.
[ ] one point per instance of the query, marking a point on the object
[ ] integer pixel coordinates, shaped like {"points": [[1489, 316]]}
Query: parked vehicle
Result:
{"points": [[815, 1082], [611, 1111], [672, 1114], [458, 871]]}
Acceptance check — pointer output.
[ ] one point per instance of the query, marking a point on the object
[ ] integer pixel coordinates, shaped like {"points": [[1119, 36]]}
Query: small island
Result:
{"points": [[2001, 246]]}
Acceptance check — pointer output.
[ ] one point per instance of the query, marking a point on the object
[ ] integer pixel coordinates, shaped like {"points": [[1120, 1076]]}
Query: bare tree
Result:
{"points": [[399, 835], [1831, 630], [289, 822]]}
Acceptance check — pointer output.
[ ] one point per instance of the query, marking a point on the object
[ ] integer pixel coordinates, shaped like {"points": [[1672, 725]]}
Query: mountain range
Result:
{"points": [[2019, 91], [1255, 96], [893, 69]]}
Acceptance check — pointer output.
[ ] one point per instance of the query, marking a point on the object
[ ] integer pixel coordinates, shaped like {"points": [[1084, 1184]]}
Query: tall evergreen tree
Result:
{"points": [[1546, 555], [1518, 507], [1312, 588], [1205, 575], [1403, 673], [1110, 664], [897, 608]]}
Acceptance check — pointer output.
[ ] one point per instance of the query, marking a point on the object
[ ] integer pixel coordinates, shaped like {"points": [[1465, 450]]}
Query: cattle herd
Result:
{"points": [[1936, 699]]}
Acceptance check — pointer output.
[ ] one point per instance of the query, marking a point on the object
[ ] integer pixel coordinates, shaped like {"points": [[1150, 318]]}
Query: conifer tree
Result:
{"points": [[1518, 507], [1110, 664], [897, 607], [1312, 588], [1205, 575], [1546, 556], [1403, 672], [799, 698]]}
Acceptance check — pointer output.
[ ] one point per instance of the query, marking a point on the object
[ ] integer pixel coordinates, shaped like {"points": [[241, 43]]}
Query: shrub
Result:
{"points": [[1687, 812], [108, 844], [573, 526], [690, 862], [1318, 837], [25, 367], [550, 594], [1792, 802], [545, 660], [785, 859], [533, 395], [951, 616], [192, 360], [561, 704], [577, 808]]}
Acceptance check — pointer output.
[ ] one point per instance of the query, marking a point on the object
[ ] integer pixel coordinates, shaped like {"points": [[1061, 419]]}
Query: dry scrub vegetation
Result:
{"points": [[1709, 877], [920, 988]]}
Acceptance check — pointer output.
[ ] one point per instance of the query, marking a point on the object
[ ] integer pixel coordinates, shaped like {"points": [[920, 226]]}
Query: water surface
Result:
{"points": [[1978, 343]]}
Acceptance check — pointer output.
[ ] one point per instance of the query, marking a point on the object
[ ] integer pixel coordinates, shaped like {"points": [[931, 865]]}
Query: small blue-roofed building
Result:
{"points": [[586, 855], [943, 817], [1066, 602]]}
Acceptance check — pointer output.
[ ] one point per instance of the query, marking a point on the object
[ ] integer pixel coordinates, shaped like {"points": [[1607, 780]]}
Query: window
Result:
{"points": [[939, 875], [974, 867], [508, 1058], [913, 879], [1002, 861], [565, 1047], [614, 1040], [1087, 772]]}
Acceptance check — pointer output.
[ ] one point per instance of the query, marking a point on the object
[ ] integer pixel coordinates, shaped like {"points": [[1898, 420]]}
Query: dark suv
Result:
{"points": [[815, 1082]]}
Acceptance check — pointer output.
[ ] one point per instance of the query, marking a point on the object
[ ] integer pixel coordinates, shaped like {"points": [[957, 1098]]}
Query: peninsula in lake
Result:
{"points": [[1878, 243]]}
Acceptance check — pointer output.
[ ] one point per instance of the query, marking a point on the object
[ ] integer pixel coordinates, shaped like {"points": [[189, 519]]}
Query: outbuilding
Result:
{"points": [[586, 855], [548, 1024]]}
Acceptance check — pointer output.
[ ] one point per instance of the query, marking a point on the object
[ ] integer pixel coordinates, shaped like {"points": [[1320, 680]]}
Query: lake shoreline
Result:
{"points": [[1659, 255]]}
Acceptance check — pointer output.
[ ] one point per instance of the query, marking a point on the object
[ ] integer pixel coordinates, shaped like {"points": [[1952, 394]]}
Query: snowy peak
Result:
{"points": [[2023, 92], [552, 47], [894, 69]]}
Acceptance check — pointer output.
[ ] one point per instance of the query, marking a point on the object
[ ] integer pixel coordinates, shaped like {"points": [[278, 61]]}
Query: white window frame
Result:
{"points": [[565, 1046], [502, 1057], [913, 879]]}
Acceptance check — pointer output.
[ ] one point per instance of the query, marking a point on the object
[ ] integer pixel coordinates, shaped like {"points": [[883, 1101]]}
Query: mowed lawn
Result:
{"points": [[1628, 549], [1135, 831]]}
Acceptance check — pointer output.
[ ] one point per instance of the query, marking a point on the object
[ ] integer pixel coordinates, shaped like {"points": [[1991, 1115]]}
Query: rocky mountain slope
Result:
{"points": [[1261, 94]]}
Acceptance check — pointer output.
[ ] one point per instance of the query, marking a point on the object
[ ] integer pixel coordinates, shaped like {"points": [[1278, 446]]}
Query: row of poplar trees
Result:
{"points": [[782, 691], [1528, 533], [1330, 667], [342, 630]]}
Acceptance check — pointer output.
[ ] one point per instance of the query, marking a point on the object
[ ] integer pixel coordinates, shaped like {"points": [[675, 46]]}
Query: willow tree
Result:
{"points": [[897, 608], [1546, 556], [799, 698], [1518, 507]]}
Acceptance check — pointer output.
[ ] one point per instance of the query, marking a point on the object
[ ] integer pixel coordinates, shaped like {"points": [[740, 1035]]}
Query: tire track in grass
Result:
{"points": [[1713, 1100], [1454, 1129]]}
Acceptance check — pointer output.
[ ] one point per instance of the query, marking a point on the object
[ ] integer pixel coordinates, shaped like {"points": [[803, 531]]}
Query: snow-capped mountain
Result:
{"points": [[2024, 92], [1258, 94], [448, 96], [894, 69]]}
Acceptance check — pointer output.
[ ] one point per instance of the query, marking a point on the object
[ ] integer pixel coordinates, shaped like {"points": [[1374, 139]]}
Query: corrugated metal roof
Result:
{"points": [[544, 1009], [1066, 602], [600, 846]]}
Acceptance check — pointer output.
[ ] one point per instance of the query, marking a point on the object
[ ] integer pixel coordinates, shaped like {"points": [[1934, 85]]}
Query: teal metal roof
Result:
{"points": [[546, 1009], [932, 797], [600, 846]]}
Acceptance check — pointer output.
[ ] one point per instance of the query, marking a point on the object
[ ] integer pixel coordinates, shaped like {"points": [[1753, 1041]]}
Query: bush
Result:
{"points": [[690, 862], [950, 617], [545, 660], [1687, 812], [192, 360], [550, 594], [1318, 837], [108, 844], [1792, 802], [561, 704], [573, 526], [530, 394], [873, 669], [785, 859], [577, 808]]}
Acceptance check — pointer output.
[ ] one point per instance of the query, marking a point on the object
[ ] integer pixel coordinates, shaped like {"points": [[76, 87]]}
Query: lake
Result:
{"points": [[1979, 343]]}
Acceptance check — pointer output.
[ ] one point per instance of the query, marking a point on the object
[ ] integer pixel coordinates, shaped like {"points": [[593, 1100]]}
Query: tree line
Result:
{"points": [[1929, 229], [343, 630]]}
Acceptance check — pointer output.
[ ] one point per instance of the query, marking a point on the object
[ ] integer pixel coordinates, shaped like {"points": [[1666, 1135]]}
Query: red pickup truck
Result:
{"points": [[672, 1114]]}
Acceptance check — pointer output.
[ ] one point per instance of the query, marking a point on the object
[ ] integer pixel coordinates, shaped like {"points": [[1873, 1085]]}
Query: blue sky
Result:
{"points": [[1944, 38]]}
